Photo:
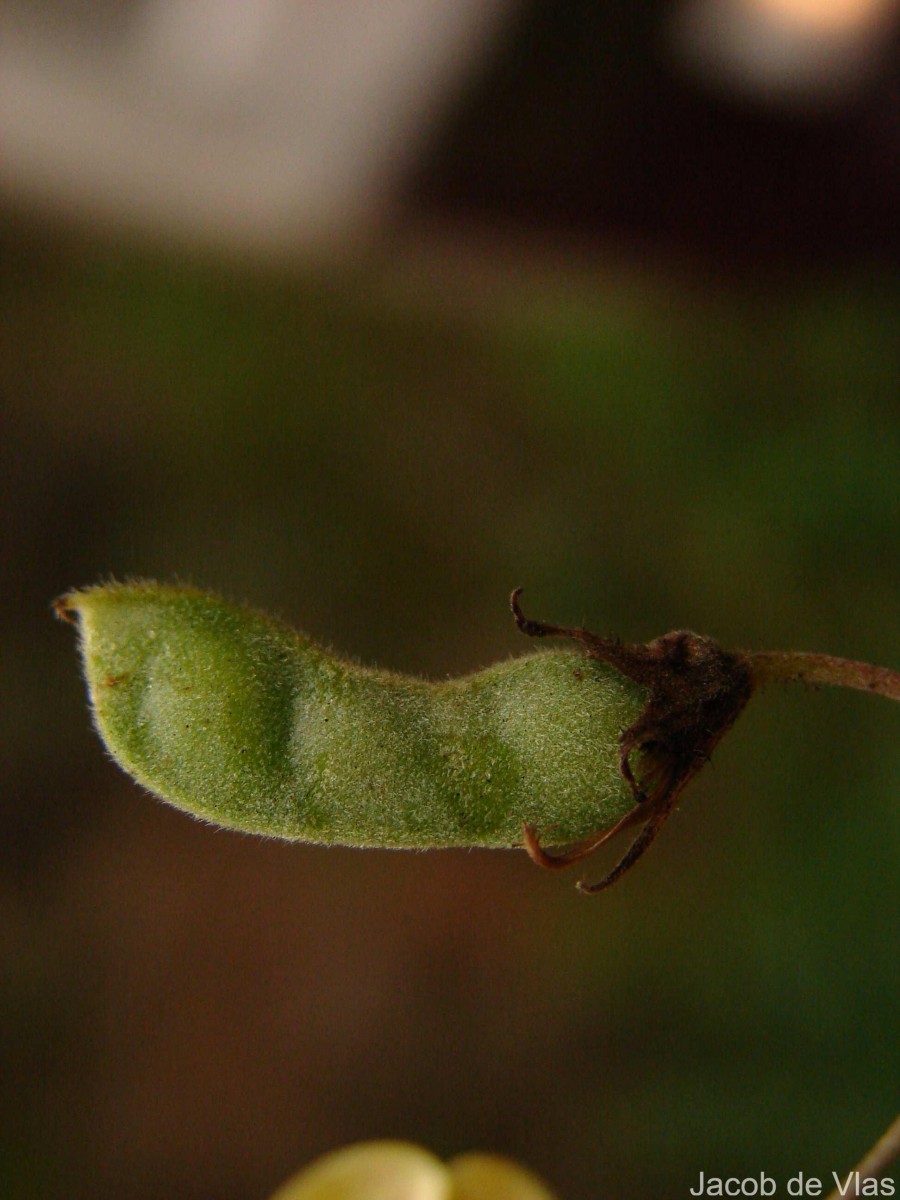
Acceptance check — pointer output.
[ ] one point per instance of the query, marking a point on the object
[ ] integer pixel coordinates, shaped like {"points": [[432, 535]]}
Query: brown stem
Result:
{"points": [[885, 1151], [770, 665]]}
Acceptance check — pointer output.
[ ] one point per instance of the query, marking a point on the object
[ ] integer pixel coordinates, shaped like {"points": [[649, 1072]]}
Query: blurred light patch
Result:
{"points": [[807, 51], [276, 121], [839, 18]]}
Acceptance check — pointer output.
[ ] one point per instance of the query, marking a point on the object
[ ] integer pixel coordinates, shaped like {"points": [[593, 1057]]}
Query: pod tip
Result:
{"points": [[64, 607]]}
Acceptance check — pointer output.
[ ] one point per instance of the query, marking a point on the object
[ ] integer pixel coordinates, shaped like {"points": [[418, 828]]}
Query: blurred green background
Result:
{"points": [[378, 447], [380, 460]]}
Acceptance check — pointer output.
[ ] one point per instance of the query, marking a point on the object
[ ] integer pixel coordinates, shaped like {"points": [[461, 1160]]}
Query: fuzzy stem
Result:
{"points": [[879, 1158], [770, 665]]}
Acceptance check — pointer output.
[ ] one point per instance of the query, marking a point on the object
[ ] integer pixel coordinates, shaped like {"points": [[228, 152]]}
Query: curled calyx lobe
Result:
{"points": [[244, 722]]}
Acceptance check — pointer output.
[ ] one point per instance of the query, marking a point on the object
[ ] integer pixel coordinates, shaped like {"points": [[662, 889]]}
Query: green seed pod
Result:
{"points": [[239, 720]]}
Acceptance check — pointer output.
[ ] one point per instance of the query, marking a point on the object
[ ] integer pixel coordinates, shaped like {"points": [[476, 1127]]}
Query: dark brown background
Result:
{"points": [[631, 345]]}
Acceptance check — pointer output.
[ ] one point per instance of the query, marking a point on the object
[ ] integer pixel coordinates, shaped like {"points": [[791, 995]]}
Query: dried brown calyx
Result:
{"points": [[696, 691]]}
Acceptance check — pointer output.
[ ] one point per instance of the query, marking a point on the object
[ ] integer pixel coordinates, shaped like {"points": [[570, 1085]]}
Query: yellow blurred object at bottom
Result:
{"points": [[401, 1171]]}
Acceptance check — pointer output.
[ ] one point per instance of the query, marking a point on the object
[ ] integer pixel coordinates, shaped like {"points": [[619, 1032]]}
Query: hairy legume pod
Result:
{"points": [[241, 721]]}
